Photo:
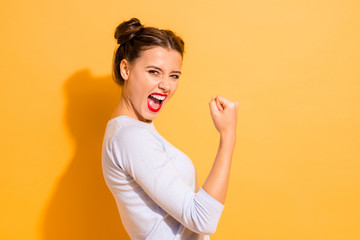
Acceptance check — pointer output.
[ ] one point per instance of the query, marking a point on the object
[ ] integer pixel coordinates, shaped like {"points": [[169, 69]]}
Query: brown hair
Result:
{"points": [[134, 38]]}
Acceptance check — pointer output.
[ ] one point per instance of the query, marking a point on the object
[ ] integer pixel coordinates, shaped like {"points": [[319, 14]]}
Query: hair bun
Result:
{"points": [[127, 30]]}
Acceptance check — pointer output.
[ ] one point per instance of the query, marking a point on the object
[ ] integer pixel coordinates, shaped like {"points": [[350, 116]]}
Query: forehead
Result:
{"points": [[161, 57]]}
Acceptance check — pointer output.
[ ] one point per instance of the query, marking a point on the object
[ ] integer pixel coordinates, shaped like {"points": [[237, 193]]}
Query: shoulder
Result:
{"points": [[134, 145], [133, 135], [133, 131]]}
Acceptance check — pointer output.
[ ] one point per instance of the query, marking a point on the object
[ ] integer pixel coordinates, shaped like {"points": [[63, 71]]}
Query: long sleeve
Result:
{"points": [[140, 153]]}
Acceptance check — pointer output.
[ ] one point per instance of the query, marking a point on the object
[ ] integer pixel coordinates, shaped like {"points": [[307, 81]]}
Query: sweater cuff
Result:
{"points": [[212, 201]]}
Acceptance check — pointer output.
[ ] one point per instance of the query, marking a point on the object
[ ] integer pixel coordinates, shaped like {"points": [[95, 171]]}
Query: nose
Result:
{"points": [[164, 84]]}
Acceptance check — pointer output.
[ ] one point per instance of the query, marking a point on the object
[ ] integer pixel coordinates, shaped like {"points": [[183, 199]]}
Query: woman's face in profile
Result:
{"points": [[151, 80]]}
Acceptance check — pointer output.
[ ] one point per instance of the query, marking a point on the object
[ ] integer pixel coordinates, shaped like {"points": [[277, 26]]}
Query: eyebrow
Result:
{"points": [[157, 68]]}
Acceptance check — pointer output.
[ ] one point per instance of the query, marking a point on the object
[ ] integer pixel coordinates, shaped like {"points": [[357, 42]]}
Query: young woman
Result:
{"points": [[153, 182]]}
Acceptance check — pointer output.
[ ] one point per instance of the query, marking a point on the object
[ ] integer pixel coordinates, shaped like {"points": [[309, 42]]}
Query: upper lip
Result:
{"points": [[161, 94]]}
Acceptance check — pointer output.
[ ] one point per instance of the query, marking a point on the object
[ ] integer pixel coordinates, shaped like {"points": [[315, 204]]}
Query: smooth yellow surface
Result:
{"points": [[293, 66]]}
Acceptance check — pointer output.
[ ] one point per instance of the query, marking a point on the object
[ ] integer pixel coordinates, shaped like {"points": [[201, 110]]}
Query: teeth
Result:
{"points": [[158, 97]]}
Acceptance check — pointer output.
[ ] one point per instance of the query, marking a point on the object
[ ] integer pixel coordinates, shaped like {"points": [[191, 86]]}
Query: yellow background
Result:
{"points": [[293, 66]]}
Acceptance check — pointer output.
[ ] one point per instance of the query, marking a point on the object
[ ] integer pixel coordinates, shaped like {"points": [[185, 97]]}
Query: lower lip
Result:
{"points": [[153, 109]]}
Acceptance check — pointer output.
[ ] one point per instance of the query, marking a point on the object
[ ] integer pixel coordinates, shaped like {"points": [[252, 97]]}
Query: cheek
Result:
{"points": [[175, 85], [173, 89], [138, 85]]}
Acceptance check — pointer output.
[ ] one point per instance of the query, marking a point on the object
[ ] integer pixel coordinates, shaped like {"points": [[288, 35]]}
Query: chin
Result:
{"points": [[149, 116]]}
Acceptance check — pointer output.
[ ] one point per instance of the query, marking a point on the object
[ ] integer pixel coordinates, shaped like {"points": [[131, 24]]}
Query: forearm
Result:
{"points": [[216, 183]]}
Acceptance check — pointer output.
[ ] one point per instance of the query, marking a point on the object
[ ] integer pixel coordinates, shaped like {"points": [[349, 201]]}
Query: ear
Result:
{"points": [[124, 69]]}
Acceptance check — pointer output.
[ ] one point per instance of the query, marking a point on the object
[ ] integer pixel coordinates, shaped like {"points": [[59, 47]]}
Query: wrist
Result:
{"points": [[228, 134], [228, 138]]}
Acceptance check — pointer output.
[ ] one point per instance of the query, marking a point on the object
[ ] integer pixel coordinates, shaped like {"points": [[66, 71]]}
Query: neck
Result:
{"points": [[125, 107]]}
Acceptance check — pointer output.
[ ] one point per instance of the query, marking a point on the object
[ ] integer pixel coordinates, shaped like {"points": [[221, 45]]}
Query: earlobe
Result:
{"points": [[124, 69]]}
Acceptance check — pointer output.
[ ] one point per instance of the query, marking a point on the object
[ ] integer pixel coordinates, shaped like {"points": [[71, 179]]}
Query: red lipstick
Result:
{"points": [[155, 101]]}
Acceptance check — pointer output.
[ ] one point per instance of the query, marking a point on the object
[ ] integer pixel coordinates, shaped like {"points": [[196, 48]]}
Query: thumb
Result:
{"points": [[223, 101], [218, 104]]}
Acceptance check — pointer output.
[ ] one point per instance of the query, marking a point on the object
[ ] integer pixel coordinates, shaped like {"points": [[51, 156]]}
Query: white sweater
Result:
{"points": [[154, 184]]}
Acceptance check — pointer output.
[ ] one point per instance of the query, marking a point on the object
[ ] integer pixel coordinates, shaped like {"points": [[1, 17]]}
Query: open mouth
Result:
{"points": [[155, 101]]}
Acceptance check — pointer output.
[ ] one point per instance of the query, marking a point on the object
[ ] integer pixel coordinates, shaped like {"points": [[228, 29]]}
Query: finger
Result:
{"points": [[223, 101], [213, 107], [218, 104]]}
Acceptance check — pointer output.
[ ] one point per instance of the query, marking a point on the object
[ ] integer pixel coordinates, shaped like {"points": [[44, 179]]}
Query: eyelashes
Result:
{"points": [[155, 72], [175, 76]]}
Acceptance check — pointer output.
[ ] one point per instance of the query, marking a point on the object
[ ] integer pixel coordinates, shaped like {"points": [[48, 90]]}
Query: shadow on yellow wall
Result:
{"points": [[81, 206]]}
